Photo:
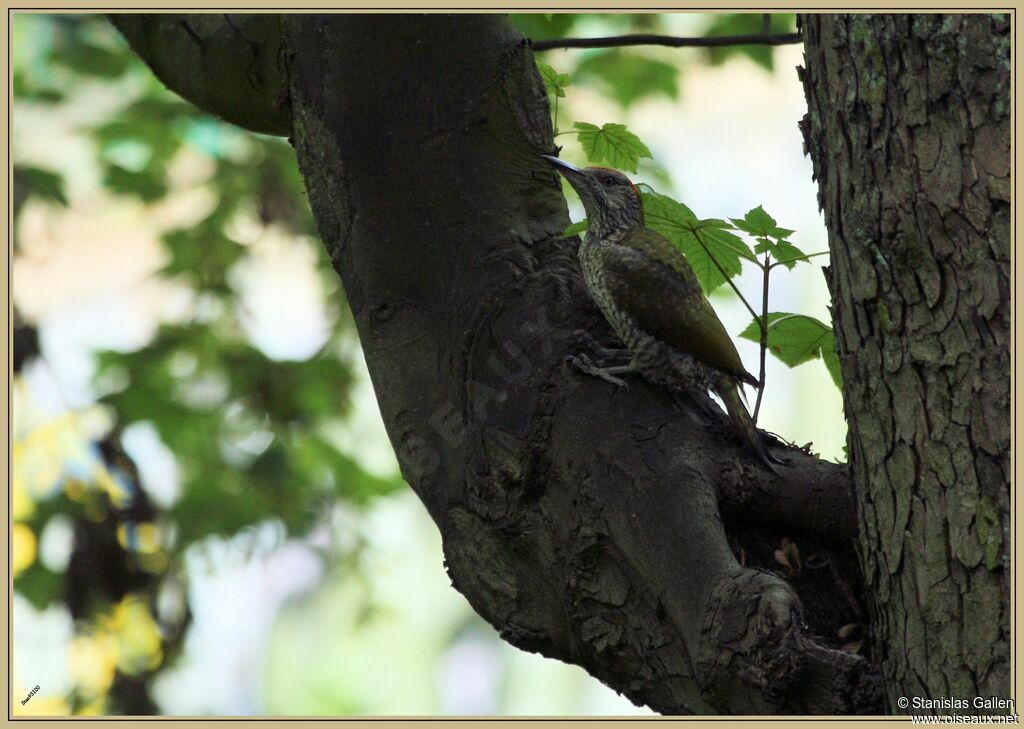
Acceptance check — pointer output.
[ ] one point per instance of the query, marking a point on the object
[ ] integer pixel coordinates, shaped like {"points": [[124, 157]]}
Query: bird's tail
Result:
{"points": [[728, 390]]}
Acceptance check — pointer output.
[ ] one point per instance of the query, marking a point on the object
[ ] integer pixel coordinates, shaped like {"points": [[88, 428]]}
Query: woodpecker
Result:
{"points": [[650, 295]]}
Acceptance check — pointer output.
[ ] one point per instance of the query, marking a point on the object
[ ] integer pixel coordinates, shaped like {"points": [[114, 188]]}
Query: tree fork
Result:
{"points": [[582, 522]]}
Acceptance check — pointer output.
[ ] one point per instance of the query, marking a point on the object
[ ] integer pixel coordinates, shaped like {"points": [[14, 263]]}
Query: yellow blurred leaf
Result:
{"points": [[119, 491], [23, 506], [47, 451], [156, 563], [75, 489], [92, 658], [40, 705], [144, 538], [23, 543], [138, 636]]}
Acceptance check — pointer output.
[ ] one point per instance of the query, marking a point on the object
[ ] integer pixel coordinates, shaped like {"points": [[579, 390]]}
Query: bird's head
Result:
{"points": [[612, 202]]}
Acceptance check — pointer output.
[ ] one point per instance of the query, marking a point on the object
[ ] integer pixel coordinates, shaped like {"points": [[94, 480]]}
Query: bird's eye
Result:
{"points": [[608, 181]]}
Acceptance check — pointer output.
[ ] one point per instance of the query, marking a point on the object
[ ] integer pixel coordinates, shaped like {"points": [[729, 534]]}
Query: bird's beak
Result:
{"points": [[563, 166]]}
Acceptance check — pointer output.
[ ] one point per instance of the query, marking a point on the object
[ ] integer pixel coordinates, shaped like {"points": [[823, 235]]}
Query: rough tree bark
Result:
{"points": [[598, 526], [909, 131]]}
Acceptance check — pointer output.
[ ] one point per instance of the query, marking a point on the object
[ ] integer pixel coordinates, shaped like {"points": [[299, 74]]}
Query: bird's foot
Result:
{"points": [[614, 355], [608, 374], [601, 352]]}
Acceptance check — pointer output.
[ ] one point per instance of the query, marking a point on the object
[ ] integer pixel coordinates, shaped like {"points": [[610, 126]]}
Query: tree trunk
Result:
{"points": [[909, 132], [594, 525]]}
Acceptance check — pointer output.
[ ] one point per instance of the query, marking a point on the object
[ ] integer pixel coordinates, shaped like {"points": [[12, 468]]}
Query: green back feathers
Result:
{"points": [[649, 278]]}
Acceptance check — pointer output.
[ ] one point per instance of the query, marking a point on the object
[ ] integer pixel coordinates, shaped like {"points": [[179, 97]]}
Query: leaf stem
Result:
{"points": [[727, 277], [763, 321]]}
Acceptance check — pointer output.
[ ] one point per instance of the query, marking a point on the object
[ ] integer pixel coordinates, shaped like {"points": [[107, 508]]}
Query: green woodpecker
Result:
{"points": [[651, 297]]}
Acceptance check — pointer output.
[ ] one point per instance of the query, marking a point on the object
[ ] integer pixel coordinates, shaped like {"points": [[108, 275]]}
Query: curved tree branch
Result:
{"points": [[615, 41], [595, 525], [227, 65]]}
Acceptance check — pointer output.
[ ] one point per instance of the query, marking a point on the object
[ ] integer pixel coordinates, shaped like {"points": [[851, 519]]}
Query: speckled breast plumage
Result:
{"points": [[658, 362]]}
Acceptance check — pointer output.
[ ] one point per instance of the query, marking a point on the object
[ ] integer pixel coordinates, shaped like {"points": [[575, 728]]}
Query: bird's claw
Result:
{"points": [[587, 341], [583, 363]]}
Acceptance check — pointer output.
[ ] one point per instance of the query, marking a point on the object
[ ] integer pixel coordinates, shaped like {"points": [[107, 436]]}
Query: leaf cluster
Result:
{"points": [[252, 435], [716, 249]]}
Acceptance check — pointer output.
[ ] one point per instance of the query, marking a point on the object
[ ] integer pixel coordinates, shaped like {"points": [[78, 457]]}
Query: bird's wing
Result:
{"points": [[649, 278]]}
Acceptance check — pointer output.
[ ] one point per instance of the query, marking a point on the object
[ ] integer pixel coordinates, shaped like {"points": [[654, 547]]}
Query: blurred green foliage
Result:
{"points": [[293, 472], [627, 75], [747, 24], [630, 74]]}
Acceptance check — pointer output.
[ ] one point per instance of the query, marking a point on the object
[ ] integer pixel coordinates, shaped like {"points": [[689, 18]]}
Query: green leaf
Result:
{"points": [[613, 144], [39, 586], [25, 88], [554, 81], [202, 254], [37, 182], [628, 76], [831, 359], [793, 338], [716, 247], [575, 228], [147, 132], [782, 251], [93, 60], [697, 239], [717, 231], [746, 24], [665, 214], [317, 460], [146, 184], [222, 500], [758, 222]]}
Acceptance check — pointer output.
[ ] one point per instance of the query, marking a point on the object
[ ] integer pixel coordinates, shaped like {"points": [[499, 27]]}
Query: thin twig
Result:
{"points": [[613, 41], [763, 322]]}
